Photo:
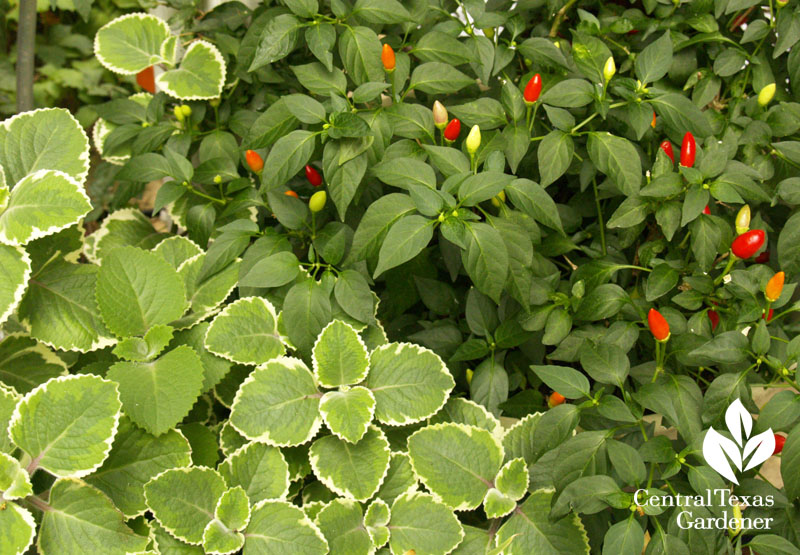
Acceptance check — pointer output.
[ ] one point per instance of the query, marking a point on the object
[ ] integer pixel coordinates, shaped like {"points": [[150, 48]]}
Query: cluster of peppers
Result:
{"points": [[744, 246]]}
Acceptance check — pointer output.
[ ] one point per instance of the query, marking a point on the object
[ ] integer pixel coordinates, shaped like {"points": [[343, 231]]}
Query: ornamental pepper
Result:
{"points": [[291, 193], [555, 399], [473, 140], [763, 258], [779, 442], [313, 176], [147, 80], [714, 317], [739, 21], [736, 521], [747, 244], [658, 325], [688, 150], [178, 113], [317, 201], [439, 115], [453, 130], [765, 94], [388, 58], [774, 287], [707, 210], [742, 221], [187, 110], [499, 200], [653, 123], [609, 69], [254, 161], [666, 146], [768, 315], [533, 89]]}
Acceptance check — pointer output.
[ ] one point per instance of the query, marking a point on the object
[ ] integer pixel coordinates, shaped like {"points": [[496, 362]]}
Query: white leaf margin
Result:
{"points": [[17, 416], [325, 413], [92, 243], [266, 436], [343, 492], [376, 502], [303, 521], [19, 292], [178, 239], [241, 451], [198, 286], [227, 355], [103, 128], [215, 521], [84, 157], [129, 516], [348, 503], [410, 489], [29, 520], [497, 430], [141, 16], [469, 430], [412, 495], [40, 348], [315, 363], [38, 233], [420, 350], [185, 470], [163, 84]]}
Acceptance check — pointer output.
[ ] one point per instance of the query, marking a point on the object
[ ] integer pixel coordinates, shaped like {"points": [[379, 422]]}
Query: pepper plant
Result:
{"points": [[434, 277]]}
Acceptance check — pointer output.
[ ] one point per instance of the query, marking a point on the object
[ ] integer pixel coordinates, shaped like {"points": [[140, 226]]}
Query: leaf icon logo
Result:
{"points": [[720, 452]]}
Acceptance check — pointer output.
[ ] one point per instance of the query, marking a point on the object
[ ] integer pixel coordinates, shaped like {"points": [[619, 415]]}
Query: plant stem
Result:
{"points": [[731, 261], [559, 18], [26, 46], [205, 196], [600, 217], [38, 503]]}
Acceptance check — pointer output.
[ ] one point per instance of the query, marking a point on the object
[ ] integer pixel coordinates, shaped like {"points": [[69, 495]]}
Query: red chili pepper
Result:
{"points": [[453, 130], [769, 314], [707, 210], [714, 317], [658, 325], [147, 80], [666, 146], [388, 58], [747, 244], [555, 399], [313, 176], [688, 150], [533, 89], [779, 442], [254, 160], [763, 258]]}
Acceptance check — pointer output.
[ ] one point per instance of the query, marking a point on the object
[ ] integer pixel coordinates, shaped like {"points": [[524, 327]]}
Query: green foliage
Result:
{"points": [[193, 361]]}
